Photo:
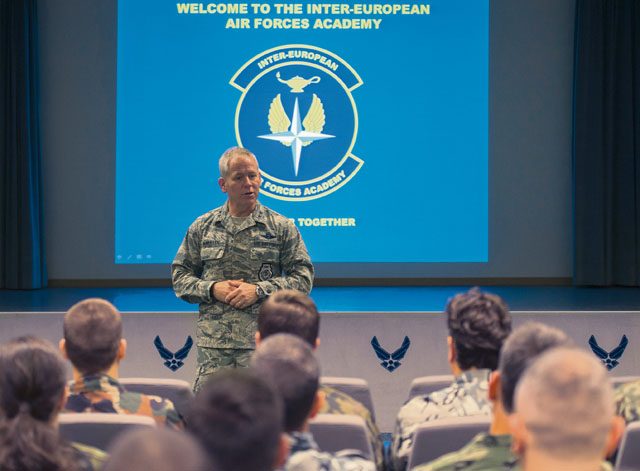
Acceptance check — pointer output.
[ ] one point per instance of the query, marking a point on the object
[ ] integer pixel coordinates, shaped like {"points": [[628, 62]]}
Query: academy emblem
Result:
{"points": [[297, 113]]}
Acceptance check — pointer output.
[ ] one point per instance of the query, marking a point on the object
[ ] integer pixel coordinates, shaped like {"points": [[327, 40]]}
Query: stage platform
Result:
{"points": [[351, 317]]}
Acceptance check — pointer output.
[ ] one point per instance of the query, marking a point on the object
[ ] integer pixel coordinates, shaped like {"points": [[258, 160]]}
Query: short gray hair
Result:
{"points": [[227, 155], [289, 364], [520, 349], [566, 402]]}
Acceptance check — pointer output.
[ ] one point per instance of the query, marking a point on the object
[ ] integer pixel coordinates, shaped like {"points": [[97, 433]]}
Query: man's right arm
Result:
{"points": [[186, 270]]}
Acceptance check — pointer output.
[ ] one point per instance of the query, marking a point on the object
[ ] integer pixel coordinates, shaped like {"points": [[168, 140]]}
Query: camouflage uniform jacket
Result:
{"points": [[337, 402], [484, 452], [467, 396], [266, 249], [627, 397], [102, 393], [89, 458], [305, 456]]}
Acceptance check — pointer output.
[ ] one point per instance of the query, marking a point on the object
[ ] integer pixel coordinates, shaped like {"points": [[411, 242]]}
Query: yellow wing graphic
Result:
{"points": [[314, 120], [278, 119]]}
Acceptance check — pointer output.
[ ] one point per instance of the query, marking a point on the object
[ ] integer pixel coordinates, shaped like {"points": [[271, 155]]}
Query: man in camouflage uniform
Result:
{"points": [[93, 343], [493, 450], [230, 260], [289, 364], [292, 312], [478, 325], [564, 413], [237, 418]]}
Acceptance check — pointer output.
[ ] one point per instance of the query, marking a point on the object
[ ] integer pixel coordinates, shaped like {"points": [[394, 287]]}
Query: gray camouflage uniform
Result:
{"points": [[305, 456], [627, 399], [467, 396], [264, 249]]}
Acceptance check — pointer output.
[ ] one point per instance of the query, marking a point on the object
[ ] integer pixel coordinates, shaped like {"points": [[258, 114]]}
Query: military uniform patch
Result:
{"points": [[266, 272]]}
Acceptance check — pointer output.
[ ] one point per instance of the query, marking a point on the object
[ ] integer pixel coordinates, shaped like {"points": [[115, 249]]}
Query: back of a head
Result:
{"points": [[570, 385], [158, 450], [92, 334], [289, 312], [478, 323], [32, 383], [522, 347], [289, 364], [237, 418]]}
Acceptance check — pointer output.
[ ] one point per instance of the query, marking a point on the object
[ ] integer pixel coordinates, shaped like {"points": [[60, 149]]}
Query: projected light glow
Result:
{"points": [[370, 123]]}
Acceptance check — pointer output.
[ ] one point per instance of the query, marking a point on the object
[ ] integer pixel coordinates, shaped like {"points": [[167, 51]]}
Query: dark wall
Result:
{"points": [[531, 44]]}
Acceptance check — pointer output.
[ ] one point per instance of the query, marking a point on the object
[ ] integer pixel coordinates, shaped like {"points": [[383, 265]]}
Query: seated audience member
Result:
{"points": [[289, 363], [478, 324], [627, 401], [492, 451], [237, 418], [295, 313], [93, 343], [564, 413], [32, 391], [157, 449]]}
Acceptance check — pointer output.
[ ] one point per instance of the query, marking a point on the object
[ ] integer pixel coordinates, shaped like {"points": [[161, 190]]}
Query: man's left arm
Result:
{"points": [[296, 266]]}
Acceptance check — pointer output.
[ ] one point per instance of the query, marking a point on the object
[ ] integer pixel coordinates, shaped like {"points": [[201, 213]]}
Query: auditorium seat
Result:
{"points": [[620, 380], [439, 437], [97, 429], [629, 450], [335, 432], [427, 384], [357, 388], [177, 391]]}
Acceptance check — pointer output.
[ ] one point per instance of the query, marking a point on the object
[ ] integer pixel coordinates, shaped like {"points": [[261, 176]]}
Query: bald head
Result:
{"points": [[565, 402], [92, 335]]}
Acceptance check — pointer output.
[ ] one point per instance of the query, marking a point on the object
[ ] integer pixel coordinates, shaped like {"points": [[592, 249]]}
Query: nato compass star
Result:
{"points": [[295, 136]]}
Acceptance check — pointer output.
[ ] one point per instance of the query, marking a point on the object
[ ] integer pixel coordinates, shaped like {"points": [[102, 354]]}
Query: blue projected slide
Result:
{"points": [[389, 102]]}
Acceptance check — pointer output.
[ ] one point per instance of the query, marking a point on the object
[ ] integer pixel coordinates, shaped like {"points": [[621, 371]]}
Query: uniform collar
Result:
{"points": [[258, 214], [95, 382]]}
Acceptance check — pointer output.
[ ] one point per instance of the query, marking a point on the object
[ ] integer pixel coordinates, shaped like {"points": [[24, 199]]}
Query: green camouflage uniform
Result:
{"points": [[467, 396], [337, 402], [264, 249], [305, 456], [627, 397], [484, 452], [89, 458], [102, 393]]}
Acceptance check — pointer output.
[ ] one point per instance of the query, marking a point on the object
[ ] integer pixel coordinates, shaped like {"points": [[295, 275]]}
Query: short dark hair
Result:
{"points": [[92, 334], [237, 418], [478, 323], [289, 312], [289, 363], [32, 382], [159, 449], [523, 346]]}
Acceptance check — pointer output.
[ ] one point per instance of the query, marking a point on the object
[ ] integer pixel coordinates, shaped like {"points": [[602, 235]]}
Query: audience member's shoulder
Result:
{"points": [[627, 399], [89, 458], [484, 452], [159, 408], [315, 460], [340, 402]]}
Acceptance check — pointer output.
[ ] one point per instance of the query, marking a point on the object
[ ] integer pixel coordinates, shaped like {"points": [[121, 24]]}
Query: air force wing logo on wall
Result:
{"points": [[297, 114]]}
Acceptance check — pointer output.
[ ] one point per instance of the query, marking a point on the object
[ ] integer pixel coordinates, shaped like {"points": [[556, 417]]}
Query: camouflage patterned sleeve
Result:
{"points": [[627, 400], [297, 270], [186, 269]]}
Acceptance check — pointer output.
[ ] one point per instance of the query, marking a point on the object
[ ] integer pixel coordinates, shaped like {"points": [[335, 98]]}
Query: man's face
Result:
{"points": [[241, 184]]}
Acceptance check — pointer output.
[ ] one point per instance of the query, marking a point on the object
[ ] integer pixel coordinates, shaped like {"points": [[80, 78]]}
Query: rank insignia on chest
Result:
{"points": [[266, 272]]}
